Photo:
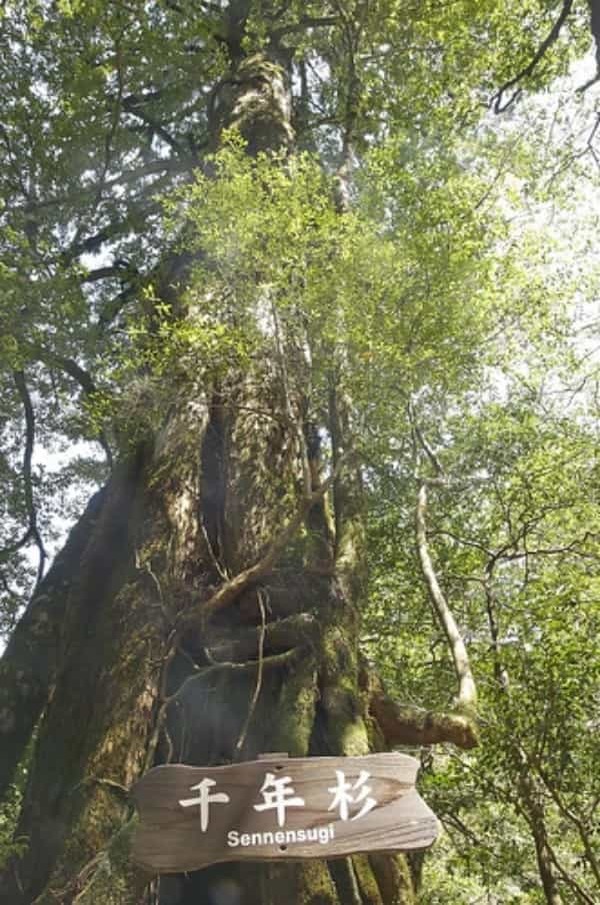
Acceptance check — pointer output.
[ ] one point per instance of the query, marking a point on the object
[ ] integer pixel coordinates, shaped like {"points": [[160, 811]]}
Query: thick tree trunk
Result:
{"points": [[148, 672], [99, 731], [29, 664]]}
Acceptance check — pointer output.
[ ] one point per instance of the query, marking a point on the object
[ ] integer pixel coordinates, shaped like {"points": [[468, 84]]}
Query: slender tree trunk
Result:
{"points": [[533, 811], [143, 677]]}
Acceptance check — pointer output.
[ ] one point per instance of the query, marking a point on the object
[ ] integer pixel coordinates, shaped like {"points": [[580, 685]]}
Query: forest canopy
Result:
{"points": [[299, 429]]}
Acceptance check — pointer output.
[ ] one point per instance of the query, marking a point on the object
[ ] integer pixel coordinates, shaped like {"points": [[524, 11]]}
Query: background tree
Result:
{"points": [[252, 250]]}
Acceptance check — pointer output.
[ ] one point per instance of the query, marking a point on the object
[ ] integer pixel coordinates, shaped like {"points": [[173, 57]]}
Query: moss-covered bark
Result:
{"points": [[142, 682], [126, 660]]}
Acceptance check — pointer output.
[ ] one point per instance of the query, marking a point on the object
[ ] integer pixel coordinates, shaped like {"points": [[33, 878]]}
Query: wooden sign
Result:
{"points": [[279, 808]]}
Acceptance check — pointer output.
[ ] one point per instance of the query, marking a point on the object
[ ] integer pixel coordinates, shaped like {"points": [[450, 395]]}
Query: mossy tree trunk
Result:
{"points": [[145, 679], [211, 612]]}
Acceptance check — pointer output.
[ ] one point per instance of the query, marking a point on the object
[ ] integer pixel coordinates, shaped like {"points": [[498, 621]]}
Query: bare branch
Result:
{"points": [[259, 675], [467, 692], [304, 23], [275, 660], [568, 878], [427, 449], [577, 821], [85, 381], [594, 6], [292, 421]]}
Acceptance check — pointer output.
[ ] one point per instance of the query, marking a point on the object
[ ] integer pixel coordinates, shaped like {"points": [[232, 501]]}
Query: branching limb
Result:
{"points": [[303, 23], [595, 29], [292, 421], [133, 105], [425, 446], [569, 880], [546, 44], [121, 791], [467, 691], [275, 661], [146, 566], [118, 269]]}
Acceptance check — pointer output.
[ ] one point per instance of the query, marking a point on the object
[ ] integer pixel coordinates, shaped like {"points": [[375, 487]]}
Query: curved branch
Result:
{"points": [[546, 44], [304, 23], [578, 822], [467, 692], [85, 381], [403, 724], [594, 6], [259, 676], [272, 662]]}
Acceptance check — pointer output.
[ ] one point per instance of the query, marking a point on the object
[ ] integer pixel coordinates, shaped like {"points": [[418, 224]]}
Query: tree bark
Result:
{"points": [[152, 671], [29, 663]]}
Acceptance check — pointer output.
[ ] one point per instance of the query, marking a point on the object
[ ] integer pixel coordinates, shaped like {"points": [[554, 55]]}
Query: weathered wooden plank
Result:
{"points": [[269, 809]]}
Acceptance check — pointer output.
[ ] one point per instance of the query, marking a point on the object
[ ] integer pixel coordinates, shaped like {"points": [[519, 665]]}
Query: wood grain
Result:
{"points": [[169, 838]]}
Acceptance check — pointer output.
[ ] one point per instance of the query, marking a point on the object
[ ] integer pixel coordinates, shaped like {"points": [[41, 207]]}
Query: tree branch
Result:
{"points": [[402, 724], [304, 23], [85, 381], [32, 532], [568, 812], [595, 29], [259, 676], [568, 879], [279, 635], [275, 660], [467, 692], [133, 106], [551, 39]]}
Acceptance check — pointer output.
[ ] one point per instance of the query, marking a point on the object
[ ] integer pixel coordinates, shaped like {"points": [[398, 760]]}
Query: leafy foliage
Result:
{"points": [[136, 260]]}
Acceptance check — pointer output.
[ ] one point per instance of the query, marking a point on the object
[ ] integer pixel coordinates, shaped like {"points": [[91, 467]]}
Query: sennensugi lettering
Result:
{"points": [[204, 800], [278, 795], [320, 834], [343, 795]]}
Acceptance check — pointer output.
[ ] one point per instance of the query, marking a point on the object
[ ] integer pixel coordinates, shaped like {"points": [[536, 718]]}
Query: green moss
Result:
{"points": [[392, 873], [369, 890], [355, 739], [345, 726], [296, 713], [315, 886]]}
